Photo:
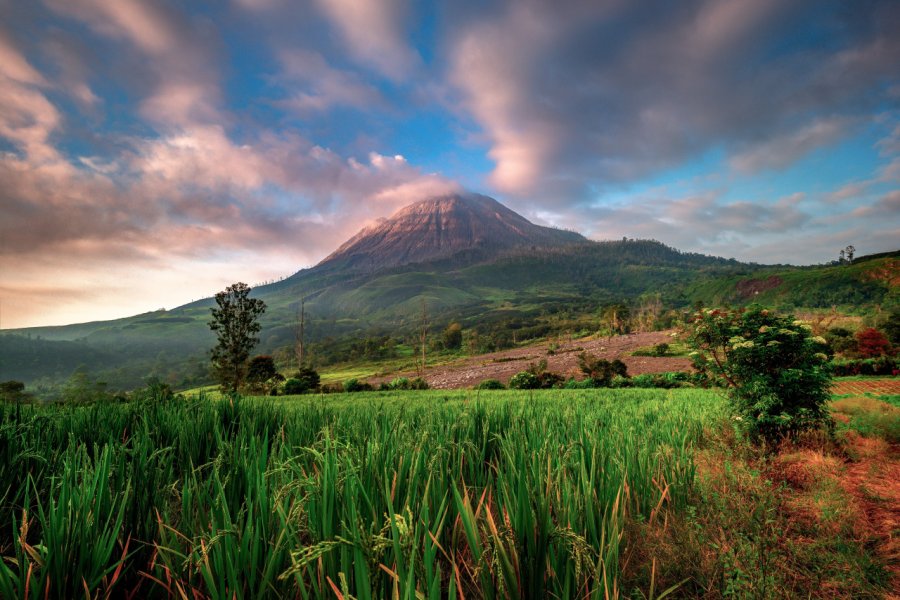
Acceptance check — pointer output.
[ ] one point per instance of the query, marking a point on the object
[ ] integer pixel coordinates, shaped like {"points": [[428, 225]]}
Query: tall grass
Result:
{"points": [[411, 495]]}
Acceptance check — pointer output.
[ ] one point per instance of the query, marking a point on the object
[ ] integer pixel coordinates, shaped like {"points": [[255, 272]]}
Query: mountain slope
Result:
{"points": [[441, 227]]}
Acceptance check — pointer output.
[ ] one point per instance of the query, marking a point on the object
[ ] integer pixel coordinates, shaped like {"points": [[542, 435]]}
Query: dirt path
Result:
{"points": [[468, 372], [873, 480]]}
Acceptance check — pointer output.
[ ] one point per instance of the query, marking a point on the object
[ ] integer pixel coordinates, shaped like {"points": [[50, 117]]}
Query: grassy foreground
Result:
{"points": [[375, 495], [562, 493]]}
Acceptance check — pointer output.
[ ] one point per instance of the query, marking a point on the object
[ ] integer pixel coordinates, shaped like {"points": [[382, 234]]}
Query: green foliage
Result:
{"points": [[600, 370], [883, 365], [236, 323], [524, 380], [777, 372], [841, 340], [83, 389], [890, 325], [354, 385], [12, 391], [394, 498], [293, 386], [405, 383], [308, 378], [260, 371], [452, 336], [490, 384]]}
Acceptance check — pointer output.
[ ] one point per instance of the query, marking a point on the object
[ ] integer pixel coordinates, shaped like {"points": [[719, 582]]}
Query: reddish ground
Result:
{"points": [[873, 480], [873, 386], [503, 365]]}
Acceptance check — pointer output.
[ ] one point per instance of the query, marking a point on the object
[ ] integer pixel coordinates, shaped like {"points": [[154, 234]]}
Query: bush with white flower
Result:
{"points": [[778, 374]]}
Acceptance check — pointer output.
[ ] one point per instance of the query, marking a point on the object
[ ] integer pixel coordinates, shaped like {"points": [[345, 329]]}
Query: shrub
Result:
{"points": [[309, 377], [524, 380], [354, 385], [399, 383], [871, 343], [601, 370], [778, 374], [490, 384], [546, 379], [418, 384], [295, 386], [841, 340], [13, 391], [154, 392], [883, 365]]}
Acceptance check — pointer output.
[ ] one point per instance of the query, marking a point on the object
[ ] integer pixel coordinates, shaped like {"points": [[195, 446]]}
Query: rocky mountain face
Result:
{"points": [[441, 227]]}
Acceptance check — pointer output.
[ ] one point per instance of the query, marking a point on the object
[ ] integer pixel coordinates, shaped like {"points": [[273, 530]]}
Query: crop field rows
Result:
{"points": [[428, 494], [867, 386]]}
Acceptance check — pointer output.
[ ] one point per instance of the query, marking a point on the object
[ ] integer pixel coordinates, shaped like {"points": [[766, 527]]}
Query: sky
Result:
{"points": [[153, 152]]}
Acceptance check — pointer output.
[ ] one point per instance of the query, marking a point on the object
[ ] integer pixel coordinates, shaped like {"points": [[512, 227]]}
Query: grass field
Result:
{"points": [[437, 494], [373, 495]]}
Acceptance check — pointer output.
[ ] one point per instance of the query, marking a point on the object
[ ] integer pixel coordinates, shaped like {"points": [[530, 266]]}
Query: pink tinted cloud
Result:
{"points": [[374, 32]]}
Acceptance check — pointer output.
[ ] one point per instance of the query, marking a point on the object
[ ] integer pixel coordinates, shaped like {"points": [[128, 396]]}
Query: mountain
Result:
{"points": [[469, 259], [441, 227]]}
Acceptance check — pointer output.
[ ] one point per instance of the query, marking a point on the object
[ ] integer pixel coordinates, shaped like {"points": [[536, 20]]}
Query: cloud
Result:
{"points": [[780, 151], [315, 86], [587, 94], [176, 54], [886, 207], [374, 32]]}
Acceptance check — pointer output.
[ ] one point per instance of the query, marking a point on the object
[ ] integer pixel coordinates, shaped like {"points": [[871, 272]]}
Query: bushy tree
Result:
{"points": [[871, 343], [600, 370], [452, 336], [12, 391], [260, 369], [490, 384], [524, 381], [777, 372], [235, 322], [308, 377]]}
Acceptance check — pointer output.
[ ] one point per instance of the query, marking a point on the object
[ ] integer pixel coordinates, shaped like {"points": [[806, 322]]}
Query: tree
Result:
{"points": [[300, 335], [260, 370], [777, 372], [453, 336], [872, 343], [423, 339], [235, 322]]}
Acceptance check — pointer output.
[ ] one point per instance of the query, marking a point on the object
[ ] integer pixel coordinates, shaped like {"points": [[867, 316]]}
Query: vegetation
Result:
{"points": [[601, 371], [777, 372], [256, 499], [236, 324]]}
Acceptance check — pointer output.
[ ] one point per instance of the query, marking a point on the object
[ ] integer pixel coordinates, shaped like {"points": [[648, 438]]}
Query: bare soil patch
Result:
{"points": [[502, 365]]}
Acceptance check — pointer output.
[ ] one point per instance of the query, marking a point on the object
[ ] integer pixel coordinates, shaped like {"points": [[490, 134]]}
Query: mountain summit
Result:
{"points": [[441, 227]]}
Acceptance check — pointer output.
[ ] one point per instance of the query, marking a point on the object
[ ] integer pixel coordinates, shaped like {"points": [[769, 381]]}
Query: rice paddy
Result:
{"points": [[376, 495]]}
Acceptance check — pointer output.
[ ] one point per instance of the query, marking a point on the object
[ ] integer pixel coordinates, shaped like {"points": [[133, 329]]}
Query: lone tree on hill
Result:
{"points": [[235, 321]]}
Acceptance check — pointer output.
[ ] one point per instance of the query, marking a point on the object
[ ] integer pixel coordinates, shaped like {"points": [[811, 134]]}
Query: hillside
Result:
{"points": [[467, 259], [869, 281]]}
